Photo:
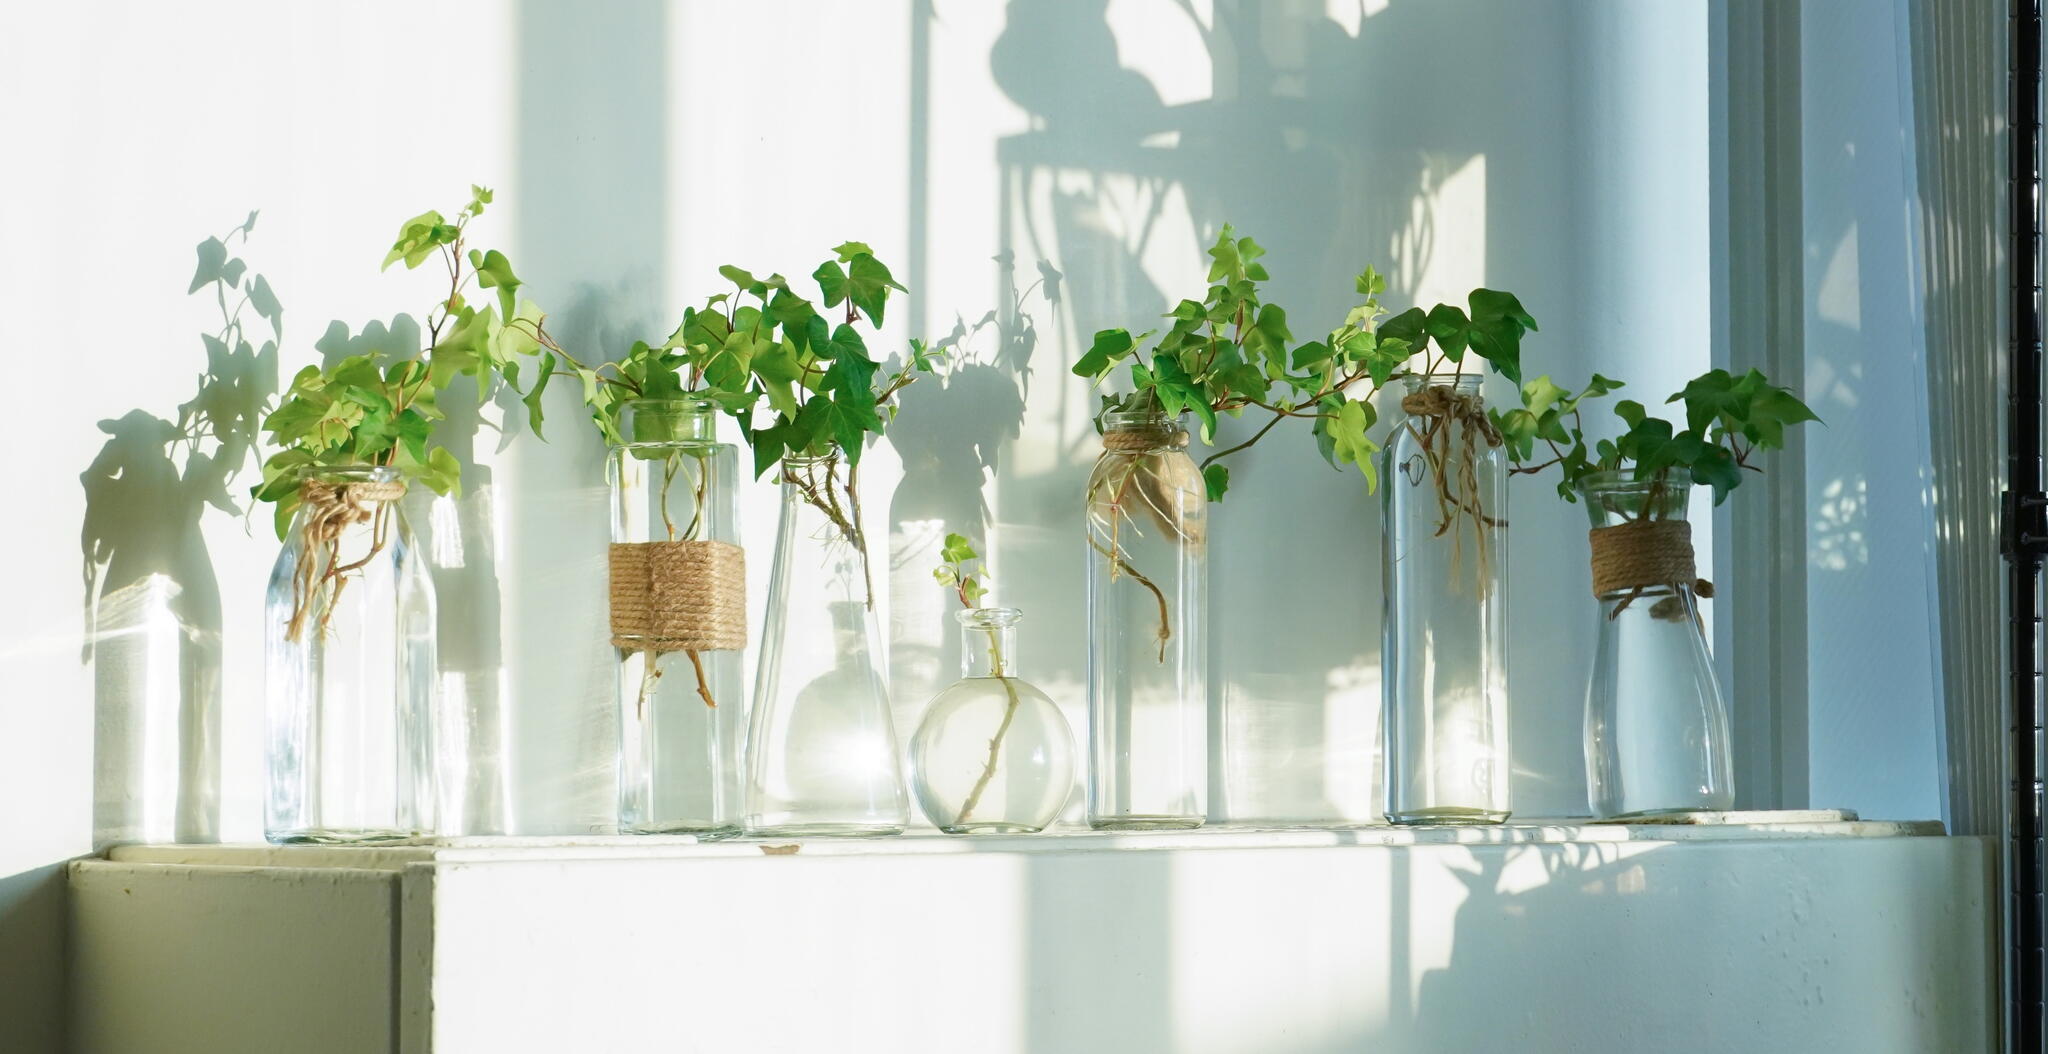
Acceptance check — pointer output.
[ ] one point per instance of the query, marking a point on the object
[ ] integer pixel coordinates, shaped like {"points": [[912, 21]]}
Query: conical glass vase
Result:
{"points": [[1148, 700], [993, 754], [822, 755], [1444, 649], [1656, 723], [678, 605], [349, 651]]}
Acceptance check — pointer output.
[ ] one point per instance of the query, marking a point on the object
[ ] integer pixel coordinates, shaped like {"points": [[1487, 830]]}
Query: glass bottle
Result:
{"points": [[1148, 702], [679, 607], [821, 750], [1656, 724], [349, 650], [1444, 648], [993, 754]]}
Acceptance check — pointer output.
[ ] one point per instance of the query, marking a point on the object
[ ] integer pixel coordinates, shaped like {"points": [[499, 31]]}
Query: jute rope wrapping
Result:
{"points": [[1456, 476], [329, 510], [1647, 554], [678, 596]]}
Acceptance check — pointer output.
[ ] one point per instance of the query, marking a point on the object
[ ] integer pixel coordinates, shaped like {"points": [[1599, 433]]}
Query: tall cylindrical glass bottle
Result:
{"points": [[822, 756], [1148, 701], [1444, 651], [1656, 725], [349, 648], [678, 619]]}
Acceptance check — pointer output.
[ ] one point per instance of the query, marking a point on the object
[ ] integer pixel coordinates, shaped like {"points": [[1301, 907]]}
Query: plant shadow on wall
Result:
{"points": [[950, 437], [152, 600], [1309, 141]]}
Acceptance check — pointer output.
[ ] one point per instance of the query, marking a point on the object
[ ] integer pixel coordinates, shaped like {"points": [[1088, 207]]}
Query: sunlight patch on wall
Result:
{"points": [[1161, 42], [1446, 236], [1840, 297]]}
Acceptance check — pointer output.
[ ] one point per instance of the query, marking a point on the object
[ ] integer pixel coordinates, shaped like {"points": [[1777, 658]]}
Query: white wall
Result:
{"points": [[1557, 149]]}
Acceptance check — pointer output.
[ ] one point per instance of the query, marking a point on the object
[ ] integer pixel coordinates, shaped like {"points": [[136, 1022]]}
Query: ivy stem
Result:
{"points": [[1000, 671]]}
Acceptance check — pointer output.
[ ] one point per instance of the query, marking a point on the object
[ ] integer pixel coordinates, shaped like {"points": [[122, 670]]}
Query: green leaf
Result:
{"points": [[848, 250], [493, 271], [738, 277], [1542, 393], [1216, 479], [957, 549], [533, 396], [778, 369], [1409, 327], [1110, 346], [1348, 438], [867, 285], [831, 282]]}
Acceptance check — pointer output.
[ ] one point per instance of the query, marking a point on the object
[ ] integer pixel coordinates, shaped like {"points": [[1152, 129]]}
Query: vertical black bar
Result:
{"points": [[2023, 536]]}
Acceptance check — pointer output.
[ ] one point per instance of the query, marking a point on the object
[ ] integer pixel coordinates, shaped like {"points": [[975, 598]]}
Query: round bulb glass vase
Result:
{"points": [[1656, 724], [678, 619], [349, 650], [993, 755]]}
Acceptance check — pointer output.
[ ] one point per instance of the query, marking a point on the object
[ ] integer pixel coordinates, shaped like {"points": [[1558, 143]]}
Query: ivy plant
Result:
{"points": [[763, 348], [1726, 421], [381, 407], [1233, 351]]}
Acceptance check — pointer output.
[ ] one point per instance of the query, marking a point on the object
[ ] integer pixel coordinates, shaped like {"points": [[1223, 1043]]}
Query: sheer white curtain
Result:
{"points": [[1956, 58]]}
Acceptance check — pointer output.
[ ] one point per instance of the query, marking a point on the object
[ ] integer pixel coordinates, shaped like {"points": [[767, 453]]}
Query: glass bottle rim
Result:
{"points": [[807, 460], [676, 404], [1463, 383], [351, 473], [1616, 481], [989, 617], [1153, 420]]}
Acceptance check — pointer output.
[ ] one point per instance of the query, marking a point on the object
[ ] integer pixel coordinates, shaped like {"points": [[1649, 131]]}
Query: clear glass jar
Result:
{"points": [[821, 749], [1656, 724], [993, 755], [678, 620], [1148, 699], [349, 650], [1444, 647]]}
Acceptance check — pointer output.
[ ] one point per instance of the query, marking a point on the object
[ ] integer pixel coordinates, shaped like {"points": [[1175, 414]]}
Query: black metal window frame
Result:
{"points": [[2025, 539]]}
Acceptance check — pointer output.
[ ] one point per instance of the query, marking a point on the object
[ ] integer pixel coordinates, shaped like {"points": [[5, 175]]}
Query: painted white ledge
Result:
{"points": [[1799, 934]]}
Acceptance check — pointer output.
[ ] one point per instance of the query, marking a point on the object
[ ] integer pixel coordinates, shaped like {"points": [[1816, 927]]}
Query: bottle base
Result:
{"points": [[1448, 815], [341, 836], [991, 828], [706, 832], [825, 830], [1144, 823]]}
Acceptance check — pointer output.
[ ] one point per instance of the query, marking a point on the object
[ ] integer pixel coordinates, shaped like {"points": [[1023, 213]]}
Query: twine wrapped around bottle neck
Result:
{"points": [[1646, 554], [678, 596], [327, 511]]}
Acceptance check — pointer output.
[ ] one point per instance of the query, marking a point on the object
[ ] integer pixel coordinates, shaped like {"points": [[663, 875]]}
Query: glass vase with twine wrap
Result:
{"points": [[678, 602], [1444, 645], [993, 754], [822, 754], [1148, 699], [1656, 723], [349, 654]]}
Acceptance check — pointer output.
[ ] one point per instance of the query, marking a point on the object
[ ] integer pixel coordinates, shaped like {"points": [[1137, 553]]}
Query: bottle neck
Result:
{"points": [[652, 422], [987, 649]]}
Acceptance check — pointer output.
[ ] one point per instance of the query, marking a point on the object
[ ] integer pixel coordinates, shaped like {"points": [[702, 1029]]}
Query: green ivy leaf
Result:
{"points": [[1216, 479]]}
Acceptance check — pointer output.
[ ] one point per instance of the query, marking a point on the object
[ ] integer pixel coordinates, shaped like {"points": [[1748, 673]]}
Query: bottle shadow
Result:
{"points": [[152, 599]]}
